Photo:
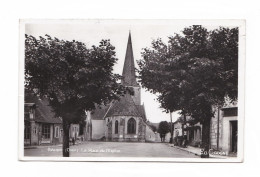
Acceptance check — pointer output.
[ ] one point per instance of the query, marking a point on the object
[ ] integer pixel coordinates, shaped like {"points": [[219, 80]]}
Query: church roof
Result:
{"points": [[129, 78], [124, 107], [141, 111], [99, 112]]}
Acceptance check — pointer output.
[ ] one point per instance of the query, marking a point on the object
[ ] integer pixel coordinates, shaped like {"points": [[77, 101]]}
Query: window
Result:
{"points": [[27, 133], [116, 127], [131, 126], [34, 130], [56, 133], [46, 131]]}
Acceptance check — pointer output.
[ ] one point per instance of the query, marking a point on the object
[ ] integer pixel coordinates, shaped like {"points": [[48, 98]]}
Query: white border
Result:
{"points": [[241, 90]]}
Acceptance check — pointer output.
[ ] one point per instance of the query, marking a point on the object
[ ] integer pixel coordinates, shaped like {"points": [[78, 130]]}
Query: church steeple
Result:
{"points": [[129, 78]]}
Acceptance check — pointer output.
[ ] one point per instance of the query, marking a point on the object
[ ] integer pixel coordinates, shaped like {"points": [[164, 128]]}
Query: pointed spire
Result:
{"points": [[129, 78]]}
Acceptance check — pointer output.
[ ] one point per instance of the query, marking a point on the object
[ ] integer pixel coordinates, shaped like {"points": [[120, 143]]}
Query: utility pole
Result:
{"points": [[171, 140]]}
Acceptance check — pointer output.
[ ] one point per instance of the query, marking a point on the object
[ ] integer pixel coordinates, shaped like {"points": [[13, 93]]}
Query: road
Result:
{"points": [[111, 149]]}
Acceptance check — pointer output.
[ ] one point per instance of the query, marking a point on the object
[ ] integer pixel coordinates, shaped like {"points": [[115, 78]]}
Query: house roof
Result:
{"points": [[43, 112]]}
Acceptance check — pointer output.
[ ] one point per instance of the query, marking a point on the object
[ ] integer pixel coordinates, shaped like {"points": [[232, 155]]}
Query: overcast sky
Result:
{"points": [[142, 33]]}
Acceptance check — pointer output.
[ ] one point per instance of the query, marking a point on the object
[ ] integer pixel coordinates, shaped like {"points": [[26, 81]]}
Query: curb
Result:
{"points": [[176, 147], [210, 156]]}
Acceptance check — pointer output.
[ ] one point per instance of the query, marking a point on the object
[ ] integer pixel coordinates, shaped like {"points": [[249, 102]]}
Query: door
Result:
{"points": [[233, 138]]}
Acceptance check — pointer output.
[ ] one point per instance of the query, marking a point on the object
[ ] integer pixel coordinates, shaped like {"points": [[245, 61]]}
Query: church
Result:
{"points": [[122, 120]]}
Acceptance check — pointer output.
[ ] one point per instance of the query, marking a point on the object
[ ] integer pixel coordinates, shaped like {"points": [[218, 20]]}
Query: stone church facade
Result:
{"points": [[124, 119]]}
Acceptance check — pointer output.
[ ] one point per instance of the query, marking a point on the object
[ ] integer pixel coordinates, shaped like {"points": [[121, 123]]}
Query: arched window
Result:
{"points": [[131, 126], [116, 127]]}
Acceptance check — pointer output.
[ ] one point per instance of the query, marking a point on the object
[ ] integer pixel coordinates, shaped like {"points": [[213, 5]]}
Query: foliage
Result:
{"points": [[163, 128], [194, 71], [74, 77], [197, 70]]}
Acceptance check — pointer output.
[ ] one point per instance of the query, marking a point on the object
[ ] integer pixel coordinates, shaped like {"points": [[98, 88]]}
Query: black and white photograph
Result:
{"points": [[132, 90]]}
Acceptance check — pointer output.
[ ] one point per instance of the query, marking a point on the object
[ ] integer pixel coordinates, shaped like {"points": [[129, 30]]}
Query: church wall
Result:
{"points": [[98, 129], [131, 137], [122, 129]]}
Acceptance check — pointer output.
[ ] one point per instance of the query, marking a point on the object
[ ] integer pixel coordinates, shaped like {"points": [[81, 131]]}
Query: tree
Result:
{"points": [[163, 129], [73, 77], [193, 73]]}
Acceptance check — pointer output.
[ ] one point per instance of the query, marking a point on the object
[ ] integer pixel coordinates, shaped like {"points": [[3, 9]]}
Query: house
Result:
{"points": [[123, 119], [41, 126], [223, 130]]}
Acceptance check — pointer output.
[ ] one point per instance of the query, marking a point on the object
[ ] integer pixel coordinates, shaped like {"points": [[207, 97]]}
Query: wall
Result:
{"points": [[122, 135], [177, 127], [131, 137], [98, 129], [57, 140], [34, 133], [150, 136], [167, 137], [226, 133]]}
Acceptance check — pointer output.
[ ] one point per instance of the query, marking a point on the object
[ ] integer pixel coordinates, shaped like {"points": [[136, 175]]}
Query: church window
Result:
{"points": [[116, 127], [131, 126]]}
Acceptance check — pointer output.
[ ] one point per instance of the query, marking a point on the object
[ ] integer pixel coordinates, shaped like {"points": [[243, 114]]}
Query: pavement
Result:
{"points": [[111, 149], [197, 151]]}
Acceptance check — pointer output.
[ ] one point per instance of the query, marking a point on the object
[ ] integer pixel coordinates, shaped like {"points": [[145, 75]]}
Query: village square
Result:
{"points": [[121, 127]]}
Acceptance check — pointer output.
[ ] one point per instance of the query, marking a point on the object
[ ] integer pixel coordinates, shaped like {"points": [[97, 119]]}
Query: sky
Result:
{"points": [[143, 32]]}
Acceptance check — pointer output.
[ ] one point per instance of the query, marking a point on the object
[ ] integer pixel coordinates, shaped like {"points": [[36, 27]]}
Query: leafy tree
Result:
{"points": [[73, 77], [193, 73], [163, 129]]}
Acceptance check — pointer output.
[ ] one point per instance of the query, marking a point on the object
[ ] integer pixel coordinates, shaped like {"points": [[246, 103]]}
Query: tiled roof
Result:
{"points": [[141, 111], [124, 107], [129, 78], [154, 124], [99, 112], [43, 112]]}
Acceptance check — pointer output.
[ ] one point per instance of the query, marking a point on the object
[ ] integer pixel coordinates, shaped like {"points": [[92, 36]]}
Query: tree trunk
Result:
{"points": [[171, 140], [66, 139], [205, 138], [184, 123]]}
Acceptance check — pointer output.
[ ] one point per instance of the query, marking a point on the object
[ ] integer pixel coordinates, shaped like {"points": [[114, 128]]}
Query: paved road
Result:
{"points": [[112, 149]]}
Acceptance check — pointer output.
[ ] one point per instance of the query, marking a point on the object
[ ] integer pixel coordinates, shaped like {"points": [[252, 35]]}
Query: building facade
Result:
{"points": [[223, 130], [40, 125]]}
